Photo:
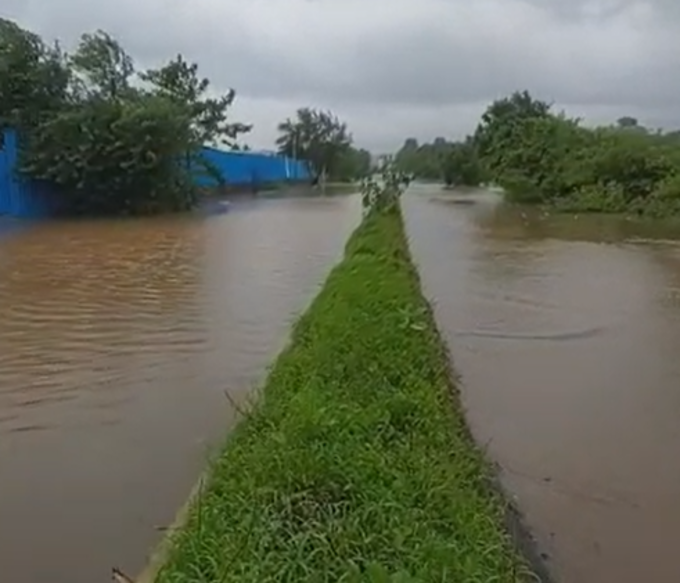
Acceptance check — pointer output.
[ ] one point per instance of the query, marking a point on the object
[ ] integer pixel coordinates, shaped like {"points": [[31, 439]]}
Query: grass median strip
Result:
{"points": [[356, 464]]}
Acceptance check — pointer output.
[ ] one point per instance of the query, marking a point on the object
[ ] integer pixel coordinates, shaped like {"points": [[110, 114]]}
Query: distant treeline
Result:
{"points": [[540, 156], [454, 163]]}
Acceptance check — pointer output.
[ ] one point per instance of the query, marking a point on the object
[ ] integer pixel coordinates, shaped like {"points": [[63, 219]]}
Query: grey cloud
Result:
{"points": [[400, 67]]}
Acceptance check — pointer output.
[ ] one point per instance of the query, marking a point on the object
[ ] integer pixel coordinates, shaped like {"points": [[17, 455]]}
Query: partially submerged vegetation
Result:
{"points": [[539, 156], [111, 139], [356, 463], [454, 163]]}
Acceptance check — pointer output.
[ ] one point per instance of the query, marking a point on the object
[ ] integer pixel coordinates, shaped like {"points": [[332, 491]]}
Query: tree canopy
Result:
{"points": [[454, 163], [323, 140], [111, 138], [36, 80], [538, 155]]}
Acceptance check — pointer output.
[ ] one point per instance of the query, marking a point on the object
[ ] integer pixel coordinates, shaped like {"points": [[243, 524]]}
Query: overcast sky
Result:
{"points": [[398, 68]]}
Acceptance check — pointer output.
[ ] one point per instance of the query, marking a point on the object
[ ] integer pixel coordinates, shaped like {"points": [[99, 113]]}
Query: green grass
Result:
{"points": [[356, 464]]}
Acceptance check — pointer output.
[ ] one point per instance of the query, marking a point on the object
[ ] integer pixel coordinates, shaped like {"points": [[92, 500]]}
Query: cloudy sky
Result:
{"points": [[398, 68]]}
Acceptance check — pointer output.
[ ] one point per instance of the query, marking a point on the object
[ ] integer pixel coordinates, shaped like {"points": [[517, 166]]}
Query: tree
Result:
{"points": [[425, 161], [410, 145], [501, 121], [115, 157], [627, 122], [179, 82], [353, 164], [539, 156], [363, 162], [316, 136], [103, 68], [35, 78], [462, 166], [108, 144]]}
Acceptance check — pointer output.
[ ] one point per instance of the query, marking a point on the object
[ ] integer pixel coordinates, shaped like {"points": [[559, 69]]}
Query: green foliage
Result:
{"points": [[318, 137], [124, 162], [103, 69], [112, 140], [35, 77], [462, 166], [381, 193], [424, 161], [499, 122], [356, 465], [538, 156], [454, 163], [179, 82], [353, 164]]}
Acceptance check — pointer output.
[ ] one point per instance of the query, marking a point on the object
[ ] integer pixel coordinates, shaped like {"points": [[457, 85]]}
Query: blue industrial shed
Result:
{"points": [[20, 197], [239, 168]]}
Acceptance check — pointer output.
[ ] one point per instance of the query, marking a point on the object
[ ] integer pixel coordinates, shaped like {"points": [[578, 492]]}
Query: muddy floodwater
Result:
{"points": [[566, 334], [118, 340]]}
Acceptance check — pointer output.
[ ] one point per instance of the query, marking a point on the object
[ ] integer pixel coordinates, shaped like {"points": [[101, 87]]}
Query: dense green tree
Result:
{"points": [[179, 81], [35, 77], [110, 139], [424, 161], [102, 68], [115, 157], [462, 166], [316, 136], [540, 156], [454, 163], [353, 164], [499, 126]]}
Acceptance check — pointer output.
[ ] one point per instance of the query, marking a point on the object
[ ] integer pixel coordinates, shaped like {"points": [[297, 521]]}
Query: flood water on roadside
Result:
{"points": [[118, 340], [566, 334]]}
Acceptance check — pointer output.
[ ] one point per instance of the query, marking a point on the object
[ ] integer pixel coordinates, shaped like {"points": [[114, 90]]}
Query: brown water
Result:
{"points": [[566, 332], [117, 343]]}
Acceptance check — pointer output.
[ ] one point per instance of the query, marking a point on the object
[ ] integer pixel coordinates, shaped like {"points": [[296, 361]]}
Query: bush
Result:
{"points": [[383, 194], [541, 157], [111, 140], [113, 157]]}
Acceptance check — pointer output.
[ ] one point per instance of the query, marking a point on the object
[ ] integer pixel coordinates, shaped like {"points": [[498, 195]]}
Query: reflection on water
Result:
{"points": [[565, 331], [118, 340]]}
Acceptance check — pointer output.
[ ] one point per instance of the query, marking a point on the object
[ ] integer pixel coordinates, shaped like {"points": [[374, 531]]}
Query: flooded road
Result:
{"points": [[118, 341], [566, 333]]}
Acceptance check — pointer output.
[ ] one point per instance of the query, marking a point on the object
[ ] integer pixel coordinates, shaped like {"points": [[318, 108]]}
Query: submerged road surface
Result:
{"points": [[118, 340], [566, 334]]}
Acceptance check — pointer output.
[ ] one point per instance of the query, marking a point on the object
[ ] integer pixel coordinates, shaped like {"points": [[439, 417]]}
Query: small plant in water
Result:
{"points": [[381, 191]]}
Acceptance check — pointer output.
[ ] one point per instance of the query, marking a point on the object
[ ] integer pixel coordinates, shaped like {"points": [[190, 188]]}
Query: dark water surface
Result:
{"points": [[117, 343], [566, 332]]}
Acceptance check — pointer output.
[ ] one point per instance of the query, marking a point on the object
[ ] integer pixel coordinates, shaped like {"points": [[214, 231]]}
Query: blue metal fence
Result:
{"points": [[251, 168], [19, 197], [34, 199]]}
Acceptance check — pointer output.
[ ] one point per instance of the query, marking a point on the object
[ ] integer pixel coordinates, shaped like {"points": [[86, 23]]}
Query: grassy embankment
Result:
{"points": [[356, 464]]}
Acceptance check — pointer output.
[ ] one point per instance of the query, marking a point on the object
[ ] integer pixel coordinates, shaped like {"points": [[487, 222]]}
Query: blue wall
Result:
{"points": [[34, 199], [251, 168], [19, 197]]}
